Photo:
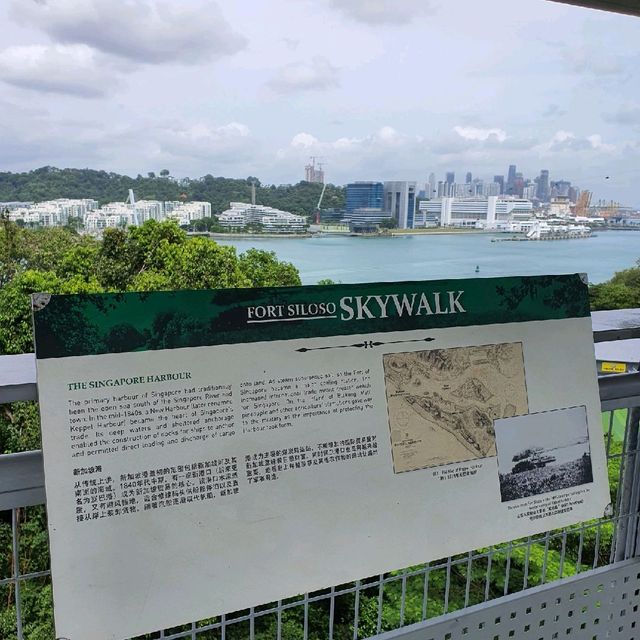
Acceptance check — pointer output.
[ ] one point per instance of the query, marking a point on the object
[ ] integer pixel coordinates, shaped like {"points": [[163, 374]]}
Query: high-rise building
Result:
{"points": [[560, 188], [364, 195], [511, 176], [500, 181], [432, 186], [469, 177], [461, 190], [490, 189], [543, 191], [451, 177], [574, 194], [400, 199], [313, 173], [518, 185]]}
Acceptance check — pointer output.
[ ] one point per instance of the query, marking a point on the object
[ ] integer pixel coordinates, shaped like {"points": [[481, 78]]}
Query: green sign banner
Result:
{"points": [[79, 325]]}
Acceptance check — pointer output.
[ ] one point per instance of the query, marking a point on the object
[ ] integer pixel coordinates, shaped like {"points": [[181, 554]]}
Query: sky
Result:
{"points": [[379, 89]]}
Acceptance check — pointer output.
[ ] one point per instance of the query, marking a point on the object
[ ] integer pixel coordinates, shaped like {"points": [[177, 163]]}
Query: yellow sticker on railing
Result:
{"points": [[614, 367]]}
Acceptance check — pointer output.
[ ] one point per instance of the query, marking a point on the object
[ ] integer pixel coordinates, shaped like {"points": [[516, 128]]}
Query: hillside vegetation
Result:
{"points": [[48, 183]]}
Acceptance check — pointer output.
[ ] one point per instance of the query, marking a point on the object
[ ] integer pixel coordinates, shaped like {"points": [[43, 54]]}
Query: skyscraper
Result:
{"points": [[511, 176], [500, 181], [451, 177], [543, 186], [364, 195], [400, 199], [432, 186], [469, 177]]}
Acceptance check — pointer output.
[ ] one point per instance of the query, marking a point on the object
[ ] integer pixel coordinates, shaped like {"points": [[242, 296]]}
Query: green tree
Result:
{"points": [[621, 292]]}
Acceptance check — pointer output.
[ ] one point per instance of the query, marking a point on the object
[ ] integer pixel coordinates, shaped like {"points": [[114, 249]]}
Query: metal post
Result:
{"points": [[16, 570], [626, 486]]}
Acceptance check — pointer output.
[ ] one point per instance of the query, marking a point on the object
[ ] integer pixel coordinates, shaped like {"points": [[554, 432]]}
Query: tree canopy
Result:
{"points": [[621, 292], [154, 256]]}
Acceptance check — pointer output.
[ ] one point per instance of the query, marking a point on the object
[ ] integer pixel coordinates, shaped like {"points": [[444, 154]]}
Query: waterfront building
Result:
{"points": [[52, 213], [367, 219], [473, 212], [148, 210], [240, 214], [560, 207], [400, 199], [187, 212], [364, 195]]}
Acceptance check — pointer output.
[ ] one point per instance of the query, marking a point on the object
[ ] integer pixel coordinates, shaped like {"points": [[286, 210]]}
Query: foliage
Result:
{"points": [[50, 182], [388, 223], [621, 292]]}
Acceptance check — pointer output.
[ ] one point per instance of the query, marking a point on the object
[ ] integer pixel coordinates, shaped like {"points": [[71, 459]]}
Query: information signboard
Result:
{"points": [[206, 451]]}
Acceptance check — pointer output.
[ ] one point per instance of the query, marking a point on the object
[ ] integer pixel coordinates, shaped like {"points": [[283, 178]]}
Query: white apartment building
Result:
{"points": [[51, 213], [273, 220], [187, 212], [471, 212], [149, 210]]}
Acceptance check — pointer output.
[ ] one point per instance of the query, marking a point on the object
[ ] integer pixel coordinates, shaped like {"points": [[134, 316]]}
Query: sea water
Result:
{"points": [[349, 259]]}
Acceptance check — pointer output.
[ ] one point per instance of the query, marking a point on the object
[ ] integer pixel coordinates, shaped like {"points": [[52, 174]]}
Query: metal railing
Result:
{"points": [[434, 600]]}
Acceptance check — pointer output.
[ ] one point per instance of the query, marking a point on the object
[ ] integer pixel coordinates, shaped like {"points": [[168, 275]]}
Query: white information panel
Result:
{"points": [[206, 451]]}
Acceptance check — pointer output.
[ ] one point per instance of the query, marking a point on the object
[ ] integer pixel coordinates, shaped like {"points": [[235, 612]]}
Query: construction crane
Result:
{"points": [[324, 186], [582, 206]]}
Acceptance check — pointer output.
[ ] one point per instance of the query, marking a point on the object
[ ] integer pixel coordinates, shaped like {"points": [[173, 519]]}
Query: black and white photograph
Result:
{"points": [[543, 452]]}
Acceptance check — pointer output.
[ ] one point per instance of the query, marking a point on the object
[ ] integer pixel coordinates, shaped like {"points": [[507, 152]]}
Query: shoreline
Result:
{"points": [[395, 233], [246, 236]]}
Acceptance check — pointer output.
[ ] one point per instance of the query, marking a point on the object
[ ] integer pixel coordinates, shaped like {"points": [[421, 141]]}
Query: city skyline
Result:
{"points": [[204, 88]]}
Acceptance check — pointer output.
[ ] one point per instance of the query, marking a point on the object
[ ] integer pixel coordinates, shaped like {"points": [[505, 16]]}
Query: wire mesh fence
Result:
{"points": [[374, 604]]}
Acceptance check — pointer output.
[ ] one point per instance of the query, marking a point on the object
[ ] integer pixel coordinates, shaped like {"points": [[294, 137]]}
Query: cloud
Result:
{"points": [[201, 140], [473, 133], [567, 141], [75, 70], [383, 12], [381, 154], [143, 31], [317, 74], [31, 138]]}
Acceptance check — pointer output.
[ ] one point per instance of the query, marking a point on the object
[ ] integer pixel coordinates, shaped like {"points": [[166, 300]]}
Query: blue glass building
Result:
{"points": [[364, 195]]}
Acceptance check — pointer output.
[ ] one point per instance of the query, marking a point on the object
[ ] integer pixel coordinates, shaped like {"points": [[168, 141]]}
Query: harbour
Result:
{"points": [[351, 259]]}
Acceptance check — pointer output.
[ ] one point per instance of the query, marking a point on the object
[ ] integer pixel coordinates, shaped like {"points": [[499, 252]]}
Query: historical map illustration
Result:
{"points": [[442, 402]]}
